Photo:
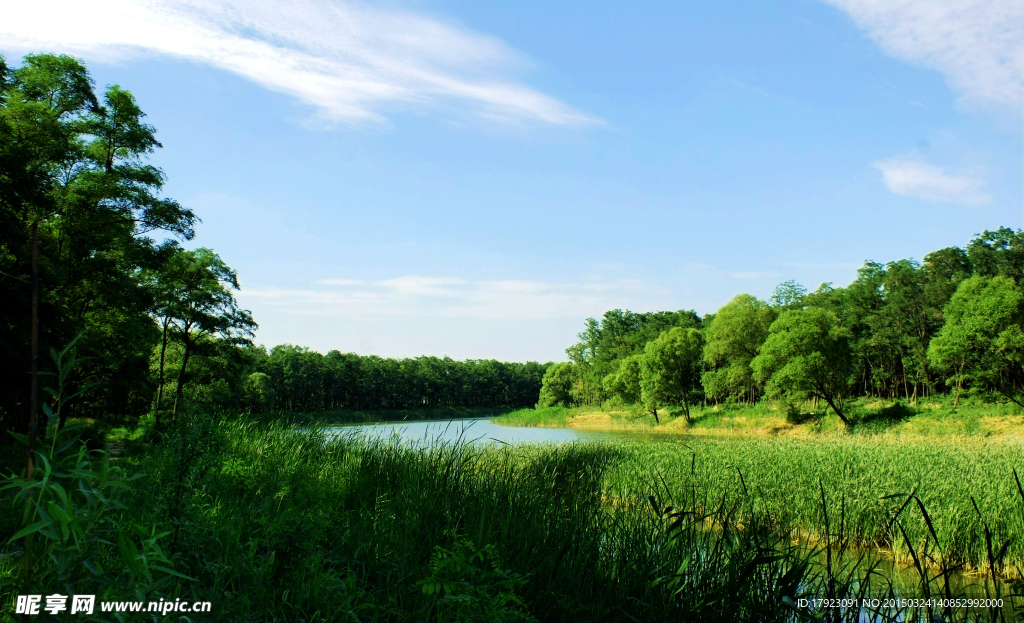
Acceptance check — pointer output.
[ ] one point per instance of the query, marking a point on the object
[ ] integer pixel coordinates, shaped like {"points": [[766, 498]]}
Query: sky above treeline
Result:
{"points": [[473, 179]]}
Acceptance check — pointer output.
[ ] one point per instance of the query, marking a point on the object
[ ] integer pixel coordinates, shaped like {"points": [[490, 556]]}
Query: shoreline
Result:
{"points": [[760, 422]]}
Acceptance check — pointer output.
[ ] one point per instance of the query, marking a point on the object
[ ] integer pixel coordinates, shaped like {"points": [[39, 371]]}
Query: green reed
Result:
{"points": [[966, 484], [283, 524]]}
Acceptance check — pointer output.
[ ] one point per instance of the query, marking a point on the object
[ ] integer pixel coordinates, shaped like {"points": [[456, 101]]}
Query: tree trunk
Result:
{"points": [[181, 377], [163, 353], [959, 384], [837, 411]]}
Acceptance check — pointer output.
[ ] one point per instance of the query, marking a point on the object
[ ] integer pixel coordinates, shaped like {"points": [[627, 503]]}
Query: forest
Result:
{"points": [[953, 324], [85, 224]]}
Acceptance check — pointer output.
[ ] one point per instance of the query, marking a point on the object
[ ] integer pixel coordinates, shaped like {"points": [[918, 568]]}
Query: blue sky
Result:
{"points": [[474, 179]]}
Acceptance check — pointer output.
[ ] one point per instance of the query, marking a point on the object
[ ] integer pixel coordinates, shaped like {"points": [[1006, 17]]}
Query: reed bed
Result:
{"points": [[966, 486], [282, 524]]}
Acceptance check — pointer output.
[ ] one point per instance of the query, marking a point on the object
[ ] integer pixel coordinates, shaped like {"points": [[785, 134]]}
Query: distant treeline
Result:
{"points": [[298, 379], [295, 378], [902, 330]]}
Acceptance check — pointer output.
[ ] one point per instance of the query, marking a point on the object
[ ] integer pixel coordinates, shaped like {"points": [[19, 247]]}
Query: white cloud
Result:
{"points": [[459, 298], [907, 175], [977, 44], [350, 61]]}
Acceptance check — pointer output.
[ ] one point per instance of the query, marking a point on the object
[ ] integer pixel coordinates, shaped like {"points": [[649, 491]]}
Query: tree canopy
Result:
{"points": [[807, 354], [75, 164], [982, 339], [670, 370], [734, 337]]}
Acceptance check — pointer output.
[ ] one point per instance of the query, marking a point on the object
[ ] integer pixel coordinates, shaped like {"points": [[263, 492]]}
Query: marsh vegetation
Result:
{"points": [[277, 523]]}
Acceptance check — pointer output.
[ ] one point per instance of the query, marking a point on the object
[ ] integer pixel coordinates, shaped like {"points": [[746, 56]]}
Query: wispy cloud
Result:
{"points": [[910, 176], [460, 298], [977, 44], [352, 62]]}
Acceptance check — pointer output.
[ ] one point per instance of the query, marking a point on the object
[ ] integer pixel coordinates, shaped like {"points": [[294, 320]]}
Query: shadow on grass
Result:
{"points": [[885, 417], [795, 415]]}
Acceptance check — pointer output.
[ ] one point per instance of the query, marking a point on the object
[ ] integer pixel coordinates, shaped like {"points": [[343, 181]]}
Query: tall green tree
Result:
{"points": [[999, 252], [625, 381], [76, 164], [670, 370], [557, 387], [619, 334], [807, 354], [733, 338], [788, 295], [983, 337], [206, 309]]}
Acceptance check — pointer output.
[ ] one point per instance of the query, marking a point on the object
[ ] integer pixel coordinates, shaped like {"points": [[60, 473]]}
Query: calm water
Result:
{"points": [[477, 431]]}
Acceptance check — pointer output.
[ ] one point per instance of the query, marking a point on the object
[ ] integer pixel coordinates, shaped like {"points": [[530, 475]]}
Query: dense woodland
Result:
{"points": [[953, 324], [158, 323]]}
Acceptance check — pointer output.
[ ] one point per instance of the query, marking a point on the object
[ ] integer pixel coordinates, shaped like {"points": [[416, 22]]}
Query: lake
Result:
{"points": [[474, 430]]}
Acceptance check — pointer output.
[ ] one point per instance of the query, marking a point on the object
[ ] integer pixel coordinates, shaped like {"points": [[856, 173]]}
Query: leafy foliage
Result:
{"points": [[471, 585], [74, 163], [807, 354], [734, 337], [670, 370], [983, 337]]}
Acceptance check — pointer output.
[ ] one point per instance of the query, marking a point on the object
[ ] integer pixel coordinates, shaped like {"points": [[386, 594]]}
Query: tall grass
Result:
{"points": [[284, 524], [290, 526], [964, 483], [541, 416]]}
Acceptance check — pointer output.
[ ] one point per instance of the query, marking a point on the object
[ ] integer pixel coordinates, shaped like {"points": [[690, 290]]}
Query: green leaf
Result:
{"points": [[23, 439], [130, 554], [60, 493], [36, 527], [171, 572], [67, 444]]}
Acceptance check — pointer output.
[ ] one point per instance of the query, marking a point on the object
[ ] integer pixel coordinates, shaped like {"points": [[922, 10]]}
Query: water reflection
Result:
{"points": [[475, 431]]}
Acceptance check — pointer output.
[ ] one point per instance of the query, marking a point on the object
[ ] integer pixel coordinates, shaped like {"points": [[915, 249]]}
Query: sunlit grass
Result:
{"points": [[872, 417], [784, 477]]}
